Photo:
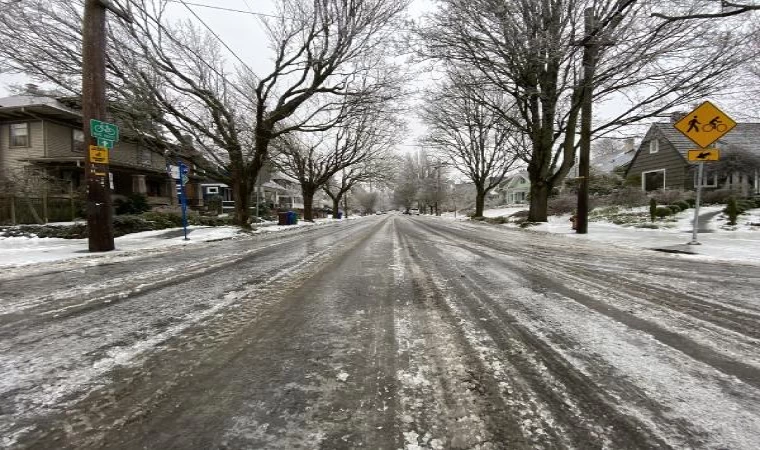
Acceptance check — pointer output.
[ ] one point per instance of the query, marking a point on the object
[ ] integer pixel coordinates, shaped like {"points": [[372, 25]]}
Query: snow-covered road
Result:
{"points": [[390, 332]]}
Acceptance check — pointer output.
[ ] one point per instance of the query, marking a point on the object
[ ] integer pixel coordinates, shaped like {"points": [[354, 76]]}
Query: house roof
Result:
{"points": [[745, 135], [611, 162], [24, 106]]}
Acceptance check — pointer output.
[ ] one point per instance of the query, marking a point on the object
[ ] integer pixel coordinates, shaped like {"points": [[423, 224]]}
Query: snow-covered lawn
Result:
{"points": [[16, 251], [505, 211], [20, 251], [741, 242]]}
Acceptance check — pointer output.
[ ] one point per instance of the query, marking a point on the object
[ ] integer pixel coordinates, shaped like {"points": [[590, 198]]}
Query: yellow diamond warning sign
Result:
{"points": [[705, 125], [704, 154], [98, 155]]}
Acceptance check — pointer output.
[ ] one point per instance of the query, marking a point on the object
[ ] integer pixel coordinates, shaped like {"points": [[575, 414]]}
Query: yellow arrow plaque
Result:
{"points": [[705, 125], [98, 155], [705, 154]]}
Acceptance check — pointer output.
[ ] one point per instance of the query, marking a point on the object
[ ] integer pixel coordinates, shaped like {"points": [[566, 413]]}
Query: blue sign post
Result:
{"points": [[183, 171]]}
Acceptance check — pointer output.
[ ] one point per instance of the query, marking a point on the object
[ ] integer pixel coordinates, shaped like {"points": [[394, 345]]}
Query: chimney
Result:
{"points": [[32, 89], [629, 145], [677, 115]]}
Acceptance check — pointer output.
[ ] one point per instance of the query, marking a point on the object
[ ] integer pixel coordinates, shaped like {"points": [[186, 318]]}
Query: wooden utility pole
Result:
{"points": [[99, 208], [590, 52]]}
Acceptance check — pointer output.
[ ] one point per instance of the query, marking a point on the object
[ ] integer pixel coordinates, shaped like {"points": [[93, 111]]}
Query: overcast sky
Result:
{"points": [[243, 32]]}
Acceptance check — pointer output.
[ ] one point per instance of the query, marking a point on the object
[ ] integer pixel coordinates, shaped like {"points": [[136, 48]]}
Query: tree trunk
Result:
{"points": [[308, 199], [241, 188], [539, 199], [345, 206], [480, 200], [336, 206]]}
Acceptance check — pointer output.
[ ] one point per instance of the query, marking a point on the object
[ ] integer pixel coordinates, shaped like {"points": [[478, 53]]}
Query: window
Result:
{"points": [[653, 180], [77, 140], [19, 135], [654, 146], [153, 188], [212, 190], [707, 180]]}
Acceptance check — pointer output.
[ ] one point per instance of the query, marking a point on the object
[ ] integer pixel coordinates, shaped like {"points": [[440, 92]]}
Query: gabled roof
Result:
{"points": [[745, 135], [511, 179]]}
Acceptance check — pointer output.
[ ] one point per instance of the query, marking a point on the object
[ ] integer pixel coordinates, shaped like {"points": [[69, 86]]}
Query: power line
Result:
{"points": [[215, 35], [221, 8]]}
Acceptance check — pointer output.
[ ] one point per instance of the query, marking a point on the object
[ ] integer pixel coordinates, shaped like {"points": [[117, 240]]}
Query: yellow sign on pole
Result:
{"points": [[705, 125], [98, 155], [704, 154]]}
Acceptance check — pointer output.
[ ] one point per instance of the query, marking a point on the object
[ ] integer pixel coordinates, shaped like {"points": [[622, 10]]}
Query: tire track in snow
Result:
{"points": [[559, 405], [727, 406]]}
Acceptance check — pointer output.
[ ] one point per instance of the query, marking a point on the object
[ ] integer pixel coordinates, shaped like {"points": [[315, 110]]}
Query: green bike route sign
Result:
{"points": [[104, 130]]}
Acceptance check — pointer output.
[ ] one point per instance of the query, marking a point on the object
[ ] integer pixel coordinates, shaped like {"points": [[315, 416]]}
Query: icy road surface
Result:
{"points": [[389, 332]]}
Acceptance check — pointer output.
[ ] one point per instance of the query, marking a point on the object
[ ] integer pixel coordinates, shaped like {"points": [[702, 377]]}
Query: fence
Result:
{"points": [[54, 208]]}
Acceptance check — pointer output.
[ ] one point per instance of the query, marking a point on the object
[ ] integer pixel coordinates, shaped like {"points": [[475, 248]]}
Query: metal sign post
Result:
{"points": [[700, 175], [183, 170], [704, 125]]}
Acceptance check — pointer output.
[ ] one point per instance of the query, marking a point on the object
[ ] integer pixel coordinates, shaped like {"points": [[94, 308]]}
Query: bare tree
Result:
{"points": [[696, 10], [170, 80], [407, 184], [314, 159], [27, 183], [379, 168], [529, 51], [471, 135], [367, 199]]}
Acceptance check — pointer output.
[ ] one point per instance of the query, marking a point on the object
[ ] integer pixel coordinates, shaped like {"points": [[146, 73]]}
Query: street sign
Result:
{"points": [[705, 125], [98, 155], [105, 143], [705, 154], [104, 130]]}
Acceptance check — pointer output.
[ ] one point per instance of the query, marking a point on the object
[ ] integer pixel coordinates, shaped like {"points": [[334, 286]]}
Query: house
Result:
{"points": [[661, 159], [273, 190], [44, 135], [515, 189], [611, 162]]}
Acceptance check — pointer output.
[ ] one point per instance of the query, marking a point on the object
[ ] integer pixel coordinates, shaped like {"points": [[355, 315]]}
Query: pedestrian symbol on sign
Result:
{"points": [[693, 125]]}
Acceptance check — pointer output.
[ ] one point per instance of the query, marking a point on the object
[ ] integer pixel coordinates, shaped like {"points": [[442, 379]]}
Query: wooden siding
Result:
{"points": [[13, 158], [133, 155], [54, 140], [59, 140], [668, 158]]}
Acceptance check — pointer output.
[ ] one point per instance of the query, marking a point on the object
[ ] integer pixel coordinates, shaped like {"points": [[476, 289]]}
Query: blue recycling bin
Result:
{"points": [[340, 215], [292, 218]]}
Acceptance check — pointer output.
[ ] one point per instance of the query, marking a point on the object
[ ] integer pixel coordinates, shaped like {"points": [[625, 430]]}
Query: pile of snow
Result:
{"points": [[739, 243]]}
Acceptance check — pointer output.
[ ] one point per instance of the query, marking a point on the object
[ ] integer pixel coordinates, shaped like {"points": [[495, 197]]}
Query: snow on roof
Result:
{"points": [[612, 162], [19, 101]]}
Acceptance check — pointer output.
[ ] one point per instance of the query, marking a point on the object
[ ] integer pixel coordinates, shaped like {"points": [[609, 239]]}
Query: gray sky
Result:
{"points": [[244, 34]]}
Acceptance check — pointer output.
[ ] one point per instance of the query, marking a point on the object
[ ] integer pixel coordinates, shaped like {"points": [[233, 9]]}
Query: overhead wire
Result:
{"points": [[216, 35], [222, 8]]}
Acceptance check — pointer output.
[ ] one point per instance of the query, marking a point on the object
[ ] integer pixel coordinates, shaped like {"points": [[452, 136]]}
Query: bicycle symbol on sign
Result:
{"points": [[105, 129], [716, 125]]}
